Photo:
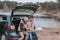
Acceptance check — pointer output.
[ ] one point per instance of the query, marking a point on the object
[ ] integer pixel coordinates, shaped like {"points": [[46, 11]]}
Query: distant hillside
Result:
{"points": [[8, 3]]}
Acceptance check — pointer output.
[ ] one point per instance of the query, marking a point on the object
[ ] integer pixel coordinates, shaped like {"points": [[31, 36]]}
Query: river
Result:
{"points": [[47, 22]]}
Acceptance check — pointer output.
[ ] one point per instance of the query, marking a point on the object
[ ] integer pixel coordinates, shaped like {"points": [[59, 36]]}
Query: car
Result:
{"points": [[9, 22], [10, 35]]}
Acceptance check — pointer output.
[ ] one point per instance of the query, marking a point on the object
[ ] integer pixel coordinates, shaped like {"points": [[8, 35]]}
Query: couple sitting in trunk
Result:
{"points": [[27, 27]]}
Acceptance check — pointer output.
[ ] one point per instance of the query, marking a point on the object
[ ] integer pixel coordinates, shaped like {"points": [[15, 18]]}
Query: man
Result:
{"points": [[33, 27]]}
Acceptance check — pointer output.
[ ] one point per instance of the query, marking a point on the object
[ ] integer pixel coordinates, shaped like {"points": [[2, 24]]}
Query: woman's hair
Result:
{"points": [[25, 18]]}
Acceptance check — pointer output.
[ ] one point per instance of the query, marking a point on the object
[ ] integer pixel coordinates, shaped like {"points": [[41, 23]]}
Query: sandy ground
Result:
{"points": [[49, 34]]}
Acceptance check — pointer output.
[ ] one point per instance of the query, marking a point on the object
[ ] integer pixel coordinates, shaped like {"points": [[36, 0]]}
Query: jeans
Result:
{"points": [[31, 34]]}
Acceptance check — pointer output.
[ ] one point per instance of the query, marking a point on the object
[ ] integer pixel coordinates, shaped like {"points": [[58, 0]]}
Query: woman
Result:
{"points": [[20, 30], [26, 23], [23, 28]]}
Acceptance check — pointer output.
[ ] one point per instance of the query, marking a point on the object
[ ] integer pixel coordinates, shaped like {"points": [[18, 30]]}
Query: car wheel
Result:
{"points": [[3, 37]]}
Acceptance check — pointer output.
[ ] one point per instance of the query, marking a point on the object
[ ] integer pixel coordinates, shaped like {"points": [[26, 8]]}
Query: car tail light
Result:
{"points": [[11, 27]]}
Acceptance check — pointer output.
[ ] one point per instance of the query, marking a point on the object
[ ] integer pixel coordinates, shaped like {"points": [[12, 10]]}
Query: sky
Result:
{"points": [[31, 0]]}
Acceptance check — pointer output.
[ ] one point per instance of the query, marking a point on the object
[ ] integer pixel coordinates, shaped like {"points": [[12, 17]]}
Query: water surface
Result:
{"points": [[47, 22]]}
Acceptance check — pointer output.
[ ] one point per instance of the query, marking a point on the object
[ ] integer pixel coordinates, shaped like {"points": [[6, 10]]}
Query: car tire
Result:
{"points": [[3, 37]]}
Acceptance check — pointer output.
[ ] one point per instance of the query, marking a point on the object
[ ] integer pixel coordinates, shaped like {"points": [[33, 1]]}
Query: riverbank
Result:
{"points": [[53, 13], [49, 34]]}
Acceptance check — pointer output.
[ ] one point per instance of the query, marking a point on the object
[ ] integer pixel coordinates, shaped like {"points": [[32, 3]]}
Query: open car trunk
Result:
{"points": [[22, 11]]}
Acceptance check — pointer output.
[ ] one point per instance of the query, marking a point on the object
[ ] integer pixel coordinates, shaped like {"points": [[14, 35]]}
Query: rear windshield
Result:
{"points": [[23, 12]]}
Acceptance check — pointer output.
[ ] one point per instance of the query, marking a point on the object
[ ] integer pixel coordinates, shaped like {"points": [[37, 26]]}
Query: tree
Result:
{"points": [[49, 5], [58, 4], [1, 4], [10, 4]]}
